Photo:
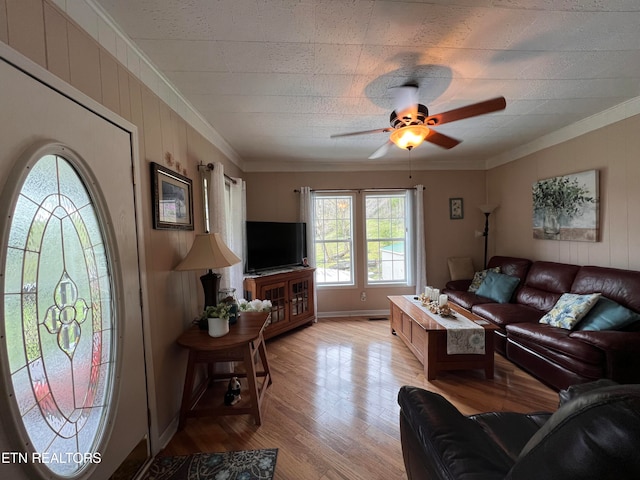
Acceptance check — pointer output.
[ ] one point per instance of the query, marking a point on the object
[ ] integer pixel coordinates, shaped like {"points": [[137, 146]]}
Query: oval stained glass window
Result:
{"points": [[58, 318]]}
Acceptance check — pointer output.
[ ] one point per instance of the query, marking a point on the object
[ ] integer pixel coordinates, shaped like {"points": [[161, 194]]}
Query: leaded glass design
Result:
{"points": [[58, 317]]}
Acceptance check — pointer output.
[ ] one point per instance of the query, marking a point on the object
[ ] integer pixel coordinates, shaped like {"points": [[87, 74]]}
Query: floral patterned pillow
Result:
{"points": [[569, 310], [479, 277]]}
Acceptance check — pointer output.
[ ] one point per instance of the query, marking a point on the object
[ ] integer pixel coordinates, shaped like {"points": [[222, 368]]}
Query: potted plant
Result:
{"points": [[216, 319]]}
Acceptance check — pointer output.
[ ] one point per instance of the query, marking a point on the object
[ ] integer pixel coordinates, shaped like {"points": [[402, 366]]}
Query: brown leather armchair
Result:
{"points": [[594, 435]]}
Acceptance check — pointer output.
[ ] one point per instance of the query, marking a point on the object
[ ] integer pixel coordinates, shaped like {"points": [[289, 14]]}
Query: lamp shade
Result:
{"points": [[487, 208], [409, 136], [208, 251]]}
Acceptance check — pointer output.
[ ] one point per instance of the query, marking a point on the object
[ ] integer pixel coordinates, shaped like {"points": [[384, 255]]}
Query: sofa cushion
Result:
{"points": [[569, 310], [479, 277], [511, 431], [607, 315], [503, 314], [558, 345], [498, 287], [465, 299], [552, 276], [544, 284], [514, 266], [621, 286]]}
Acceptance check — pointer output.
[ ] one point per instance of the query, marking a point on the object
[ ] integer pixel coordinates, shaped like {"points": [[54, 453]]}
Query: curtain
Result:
{"points": [[216, 196], [227, 213], [306, 216], [236, 240], [420, 254]]}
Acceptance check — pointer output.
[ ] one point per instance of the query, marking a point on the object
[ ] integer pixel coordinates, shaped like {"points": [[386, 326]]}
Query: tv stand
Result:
{"points": [[292, 296]]}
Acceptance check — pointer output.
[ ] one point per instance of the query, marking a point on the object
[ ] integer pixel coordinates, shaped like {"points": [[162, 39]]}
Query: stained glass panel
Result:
{"points": [[58, 316], [23, 215]]}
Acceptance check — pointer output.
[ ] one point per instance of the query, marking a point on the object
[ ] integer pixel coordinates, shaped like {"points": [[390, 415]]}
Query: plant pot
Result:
{"points": [[218, 326]]}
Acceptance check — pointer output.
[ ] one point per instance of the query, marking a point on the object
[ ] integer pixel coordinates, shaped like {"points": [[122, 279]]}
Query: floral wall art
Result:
{"points": [[566, 208]]}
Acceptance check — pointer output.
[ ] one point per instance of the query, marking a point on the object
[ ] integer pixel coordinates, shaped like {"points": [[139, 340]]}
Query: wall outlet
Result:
{"points": [[363, 296]]}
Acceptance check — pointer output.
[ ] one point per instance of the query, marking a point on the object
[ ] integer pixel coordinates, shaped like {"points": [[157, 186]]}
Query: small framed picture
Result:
{"points": [[456, 211], [172, 199]]}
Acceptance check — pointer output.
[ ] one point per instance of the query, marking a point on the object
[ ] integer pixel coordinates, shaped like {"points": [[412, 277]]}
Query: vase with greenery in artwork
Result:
{"points": [[558, 199]]}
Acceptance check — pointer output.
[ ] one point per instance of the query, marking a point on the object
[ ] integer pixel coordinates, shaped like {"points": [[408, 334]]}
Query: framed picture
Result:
{"points": [[456, 211], [567, 207], [172, 196]]}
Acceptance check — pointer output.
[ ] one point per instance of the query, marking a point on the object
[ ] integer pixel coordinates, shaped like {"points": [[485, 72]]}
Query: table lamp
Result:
{"points": [[209, 251]]}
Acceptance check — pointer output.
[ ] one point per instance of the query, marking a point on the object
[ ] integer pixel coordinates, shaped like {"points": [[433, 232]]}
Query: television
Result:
{"points": [[273, 245]]}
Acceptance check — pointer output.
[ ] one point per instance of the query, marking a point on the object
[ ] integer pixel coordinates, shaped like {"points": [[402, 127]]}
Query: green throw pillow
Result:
{"points": [[607, 315], [498, 287], [569, 310], [478, 278]]}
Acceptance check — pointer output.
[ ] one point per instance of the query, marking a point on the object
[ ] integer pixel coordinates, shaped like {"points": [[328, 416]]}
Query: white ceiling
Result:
{"points": [[275, 78]]}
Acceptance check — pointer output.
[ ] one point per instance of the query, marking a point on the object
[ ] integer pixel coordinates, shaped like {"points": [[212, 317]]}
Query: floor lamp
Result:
{"points": [[208, 251], [486, 209]]}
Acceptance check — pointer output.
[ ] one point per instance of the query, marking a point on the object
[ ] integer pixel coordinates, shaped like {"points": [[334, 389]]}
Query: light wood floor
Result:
{"points": [[332, 410]]}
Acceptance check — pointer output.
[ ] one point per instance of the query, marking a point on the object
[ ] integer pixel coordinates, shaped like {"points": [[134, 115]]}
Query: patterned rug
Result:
{"points": [[240, 465]]}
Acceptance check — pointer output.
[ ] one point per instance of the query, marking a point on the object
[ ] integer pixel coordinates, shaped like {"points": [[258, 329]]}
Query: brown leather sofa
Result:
{"points": [[557, 356], [594, 435]]}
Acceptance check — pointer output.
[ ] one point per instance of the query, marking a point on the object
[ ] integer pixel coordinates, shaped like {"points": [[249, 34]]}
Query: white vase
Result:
{"points": [[218, 326]]}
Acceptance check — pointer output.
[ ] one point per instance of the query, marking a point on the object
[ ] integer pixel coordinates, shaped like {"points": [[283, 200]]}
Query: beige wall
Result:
{"points": [[271, 197], [39, 31], [613, 150]]}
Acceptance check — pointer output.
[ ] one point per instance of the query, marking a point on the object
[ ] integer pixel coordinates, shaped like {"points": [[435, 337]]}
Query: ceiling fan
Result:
{"points": [[411, 123]]}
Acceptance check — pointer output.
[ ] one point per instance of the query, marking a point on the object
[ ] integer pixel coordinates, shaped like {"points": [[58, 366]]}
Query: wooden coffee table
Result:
{"points": [[427, 339]]}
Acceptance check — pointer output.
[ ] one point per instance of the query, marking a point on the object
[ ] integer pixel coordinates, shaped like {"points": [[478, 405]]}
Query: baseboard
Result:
{"points": [[356, 313], [168, 433]]}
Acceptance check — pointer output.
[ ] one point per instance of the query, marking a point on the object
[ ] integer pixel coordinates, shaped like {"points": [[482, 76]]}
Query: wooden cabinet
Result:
{"points": [[292, 296]]}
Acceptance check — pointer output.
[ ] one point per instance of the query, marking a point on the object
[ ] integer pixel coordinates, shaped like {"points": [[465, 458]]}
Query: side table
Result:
{"points": [[244, 343]]}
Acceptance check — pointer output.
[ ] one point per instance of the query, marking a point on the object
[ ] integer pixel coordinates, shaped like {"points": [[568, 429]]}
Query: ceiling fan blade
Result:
{"points": [[473, 110], [364, 132], [441, 140], [382, 151]]}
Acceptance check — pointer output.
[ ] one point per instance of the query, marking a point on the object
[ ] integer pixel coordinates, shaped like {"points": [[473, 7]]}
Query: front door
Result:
{"points": [[73, 387]]}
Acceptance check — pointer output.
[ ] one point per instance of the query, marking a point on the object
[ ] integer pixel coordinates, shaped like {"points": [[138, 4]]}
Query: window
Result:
{"points": [[386, 234], [333, 239], [58, 316], [378, 223]]}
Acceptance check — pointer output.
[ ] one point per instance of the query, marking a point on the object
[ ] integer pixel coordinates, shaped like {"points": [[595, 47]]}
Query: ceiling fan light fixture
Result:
{"points": [[410, 136]]}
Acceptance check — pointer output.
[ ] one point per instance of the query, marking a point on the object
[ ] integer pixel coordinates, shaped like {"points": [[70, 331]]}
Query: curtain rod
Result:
{"points": [[358, 189], [210, 166]]}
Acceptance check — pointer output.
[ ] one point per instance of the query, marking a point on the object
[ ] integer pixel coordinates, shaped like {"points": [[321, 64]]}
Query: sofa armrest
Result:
{"points": [[621, 350], [458, 284], [437, 437]]}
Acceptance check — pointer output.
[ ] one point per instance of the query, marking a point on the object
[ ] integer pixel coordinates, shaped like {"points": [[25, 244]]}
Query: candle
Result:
{"points": [[442, 300], [435, 293]]}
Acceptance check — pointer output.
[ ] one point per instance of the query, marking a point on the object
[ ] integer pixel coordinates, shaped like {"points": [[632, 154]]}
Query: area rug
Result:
{"points": [[239, 465]]}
